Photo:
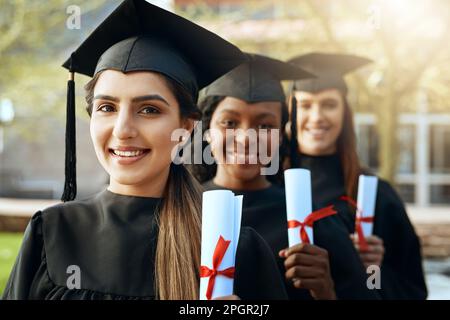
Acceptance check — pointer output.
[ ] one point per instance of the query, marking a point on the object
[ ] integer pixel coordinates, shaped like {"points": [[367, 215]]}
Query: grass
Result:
{"points": [[9, 248]]}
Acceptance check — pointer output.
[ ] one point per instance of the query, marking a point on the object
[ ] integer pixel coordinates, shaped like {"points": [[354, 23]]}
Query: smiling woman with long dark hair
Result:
{"points": [[139, 238], [325, 143]]}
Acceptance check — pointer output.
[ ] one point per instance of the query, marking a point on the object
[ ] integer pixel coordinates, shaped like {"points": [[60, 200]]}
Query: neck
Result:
{"points": [[227, 181], [154, 188], [317, 153]]}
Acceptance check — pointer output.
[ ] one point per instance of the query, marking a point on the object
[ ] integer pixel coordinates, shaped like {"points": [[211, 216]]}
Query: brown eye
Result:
{"points": [[228, 123], [106, 108], [265, 126], [329, 104], [150, 110], [305, 105]]}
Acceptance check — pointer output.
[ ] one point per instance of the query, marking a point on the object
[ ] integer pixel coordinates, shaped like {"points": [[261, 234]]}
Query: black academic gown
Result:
{"points": [[265, 211], [402, 274], [112, 239]]}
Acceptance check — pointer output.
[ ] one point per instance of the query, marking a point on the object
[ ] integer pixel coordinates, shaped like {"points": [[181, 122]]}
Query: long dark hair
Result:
{"points": [[204, 172], [177, 261]]}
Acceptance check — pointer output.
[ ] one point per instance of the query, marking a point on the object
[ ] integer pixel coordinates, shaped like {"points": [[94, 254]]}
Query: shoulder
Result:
{"points": [[251, 243], [387, 194], [209, 185], [69, 211], [389, 205], [257, 275], [277, 190]]}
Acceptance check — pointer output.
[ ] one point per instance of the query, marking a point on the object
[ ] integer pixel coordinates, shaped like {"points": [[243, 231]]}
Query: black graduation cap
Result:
{"points": [[329, 68], [139, 36], [256, 80]]}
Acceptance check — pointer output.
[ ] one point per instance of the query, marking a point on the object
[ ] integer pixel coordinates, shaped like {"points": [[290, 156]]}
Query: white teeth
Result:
{"points": [[128, 153], [317, 131]]}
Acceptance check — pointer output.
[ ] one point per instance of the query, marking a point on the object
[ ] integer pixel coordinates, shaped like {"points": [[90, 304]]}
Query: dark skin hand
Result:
{"points": [[307, 267]]}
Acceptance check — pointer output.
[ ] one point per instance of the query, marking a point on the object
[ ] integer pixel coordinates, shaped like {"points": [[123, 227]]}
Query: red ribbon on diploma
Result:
{"points": [[358, 223], [219, 253], [309, 221]]}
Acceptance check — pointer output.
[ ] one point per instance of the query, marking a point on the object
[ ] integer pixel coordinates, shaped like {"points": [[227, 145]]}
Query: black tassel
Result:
{"points": [[70, 184], [293, 145]]}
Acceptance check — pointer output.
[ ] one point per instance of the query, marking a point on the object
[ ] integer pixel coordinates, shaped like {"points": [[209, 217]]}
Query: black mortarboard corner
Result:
{"points": [[256, 80], [139, 36], [330, 70]]}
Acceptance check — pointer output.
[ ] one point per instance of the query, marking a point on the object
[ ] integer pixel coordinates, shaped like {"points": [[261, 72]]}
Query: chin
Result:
{"points": [[247, 173], [321, 151], [126, 179]]}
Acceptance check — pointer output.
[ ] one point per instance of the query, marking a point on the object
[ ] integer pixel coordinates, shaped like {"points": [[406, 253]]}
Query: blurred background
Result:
{"points": [[401, 101]]}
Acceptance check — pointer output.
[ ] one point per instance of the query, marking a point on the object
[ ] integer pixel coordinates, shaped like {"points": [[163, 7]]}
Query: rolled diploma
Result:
{"points": [[298, 201], [219, 219], [367, 194]]}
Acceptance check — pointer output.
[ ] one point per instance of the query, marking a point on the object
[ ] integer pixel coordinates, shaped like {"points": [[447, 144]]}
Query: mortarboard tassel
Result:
{"points": [[293, 146], [70, 184]]}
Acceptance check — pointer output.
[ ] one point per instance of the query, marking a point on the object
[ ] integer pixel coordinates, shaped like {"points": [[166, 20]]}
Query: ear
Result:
{"points": [[287, 129], [188, 124], [208, 136]]}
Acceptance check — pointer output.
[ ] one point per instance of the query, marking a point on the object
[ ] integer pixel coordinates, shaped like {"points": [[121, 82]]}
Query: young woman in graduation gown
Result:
{"points": [[326, 141], [139, 238], [251, 98]]}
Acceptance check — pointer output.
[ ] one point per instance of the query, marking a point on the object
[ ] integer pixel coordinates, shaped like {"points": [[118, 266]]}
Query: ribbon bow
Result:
{"points": [[358, 223], [309, 221], [219, 253]]}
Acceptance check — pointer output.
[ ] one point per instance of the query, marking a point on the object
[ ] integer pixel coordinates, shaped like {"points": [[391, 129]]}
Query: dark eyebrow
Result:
{"points": [[264, 115], [136, 99], [329, 100], [235, 113], [106, 97], [150, 97]]}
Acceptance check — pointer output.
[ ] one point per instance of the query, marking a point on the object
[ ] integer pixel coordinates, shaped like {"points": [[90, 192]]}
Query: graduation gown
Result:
{"points": [[112, 239], [265, 211], [402, 274]]}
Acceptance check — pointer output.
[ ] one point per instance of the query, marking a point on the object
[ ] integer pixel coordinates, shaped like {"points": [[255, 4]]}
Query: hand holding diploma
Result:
{"points": [[307, 266], [365, 210], [221, 220], [374, 251]]}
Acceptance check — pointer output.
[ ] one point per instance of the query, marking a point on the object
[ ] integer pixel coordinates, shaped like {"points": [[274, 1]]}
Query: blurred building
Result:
{"points": [[423, 170]]}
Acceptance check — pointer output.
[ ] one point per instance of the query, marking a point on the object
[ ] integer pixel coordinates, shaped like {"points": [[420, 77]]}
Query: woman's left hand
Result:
{"points": [[375, 250]]}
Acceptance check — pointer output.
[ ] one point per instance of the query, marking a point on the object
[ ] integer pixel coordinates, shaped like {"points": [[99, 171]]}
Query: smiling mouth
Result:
{"points": [[241, 158], [128, 153], [317, 132]]}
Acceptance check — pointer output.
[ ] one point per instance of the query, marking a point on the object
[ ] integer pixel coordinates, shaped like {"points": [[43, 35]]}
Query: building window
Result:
{"points": [[406, 137], [440, 149], [440, 194], [407, 192], [368, 145]]}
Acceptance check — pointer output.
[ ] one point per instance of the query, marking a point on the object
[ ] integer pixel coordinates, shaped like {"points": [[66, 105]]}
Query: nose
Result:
{"points": [[246, 138], [241, 136], [125, 127], [315, 114]]}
